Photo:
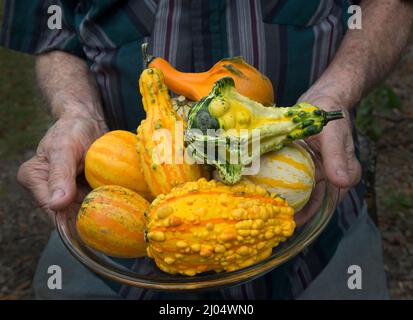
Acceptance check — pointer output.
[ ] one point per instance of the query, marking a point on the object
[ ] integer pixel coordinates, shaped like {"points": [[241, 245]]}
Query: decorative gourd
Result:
{"points": [[112, 160], [227, 110], [182, 106], [111, 220], [248, 80], [289, 172], [160, 175], [204, 226]]}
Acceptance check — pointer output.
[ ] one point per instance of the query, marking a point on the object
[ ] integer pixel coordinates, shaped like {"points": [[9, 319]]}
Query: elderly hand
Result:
{"points": [[336, 147], [51, 174]]}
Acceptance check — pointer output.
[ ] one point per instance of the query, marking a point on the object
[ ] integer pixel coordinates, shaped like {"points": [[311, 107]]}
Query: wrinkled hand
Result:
{"points": [[336, 147], [51, 174]]}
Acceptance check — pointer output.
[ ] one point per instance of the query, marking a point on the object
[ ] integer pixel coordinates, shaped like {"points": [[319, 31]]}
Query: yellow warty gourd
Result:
{"points": [[208, 226]]}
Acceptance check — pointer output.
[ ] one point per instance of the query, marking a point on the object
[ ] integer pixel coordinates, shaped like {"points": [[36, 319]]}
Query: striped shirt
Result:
{"points": [[292, 42]]}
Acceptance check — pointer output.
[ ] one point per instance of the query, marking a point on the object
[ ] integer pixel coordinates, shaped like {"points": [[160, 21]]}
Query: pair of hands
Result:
{"points": [[51, 175]]}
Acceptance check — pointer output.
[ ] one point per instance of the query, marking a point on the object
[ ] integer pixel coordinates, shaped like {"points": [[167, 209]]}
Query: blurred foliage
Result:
{"points": [[383, 101], [399, 200], [24, 117], [399, 205]]}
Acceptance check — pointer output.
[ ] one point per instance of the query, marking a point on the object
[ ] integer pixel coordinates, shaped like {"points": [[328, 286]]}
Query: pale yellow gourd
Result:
{"points": [[289, 172]]}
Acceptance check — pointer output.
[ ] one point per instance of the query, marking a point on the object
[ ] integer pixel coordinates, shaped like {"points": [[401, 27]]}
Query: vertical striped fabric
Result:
{"points": [[292, 42]]}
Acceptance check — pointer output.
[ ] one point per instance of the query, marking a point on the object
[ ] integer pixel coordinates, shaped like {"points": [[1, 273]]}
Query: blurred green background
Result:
{"points": [[24, 117]]}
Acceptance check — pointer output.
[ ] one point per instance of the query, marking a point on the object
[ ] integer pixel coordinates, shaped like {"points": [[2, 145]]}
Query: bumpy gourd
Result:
{"points": [[111, 220], [236, 119], [112, 160], [289, 172], [209, 226], [163, 170], [248, 80]]}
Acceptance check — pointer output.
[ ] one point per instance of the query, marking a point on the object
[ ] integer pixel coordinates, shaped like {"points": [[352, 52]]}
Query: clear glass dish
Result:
{"points": [[145, 274]]}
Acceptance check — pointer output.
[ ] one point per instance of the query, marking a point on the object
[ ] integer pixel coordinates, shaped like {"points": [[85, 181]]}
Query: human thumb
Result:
{"points": [[62, 178], [335, 157]]}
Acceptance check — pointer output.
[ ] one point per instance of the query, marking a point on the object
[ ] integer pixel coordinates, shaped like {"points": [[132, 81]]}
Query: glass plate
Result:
{"points": [[143, 272]]}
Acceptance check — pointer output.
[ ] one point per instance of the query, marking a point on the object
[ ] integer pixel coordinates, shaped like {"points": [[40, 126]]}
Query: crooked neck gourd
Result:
{"points": [[228, 112], [162, 176]]}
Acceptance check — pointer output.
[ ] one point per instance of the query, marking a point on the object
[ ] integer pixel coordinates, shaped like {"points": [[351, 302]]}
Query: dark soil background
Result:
{"points": [[24, 228], [394, 181]]}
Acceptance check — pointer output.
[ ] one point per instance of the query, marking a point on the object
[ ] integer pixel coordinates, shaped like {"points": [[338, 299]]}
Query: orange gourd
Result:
{"points": [[248, 80], [112, 160], [111, 220]]}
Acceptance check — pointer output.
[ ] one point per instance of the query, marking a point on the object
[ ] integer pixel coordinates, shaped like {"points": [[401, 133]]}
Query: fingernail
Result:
{"points": [[57, 194], [341, 173]]}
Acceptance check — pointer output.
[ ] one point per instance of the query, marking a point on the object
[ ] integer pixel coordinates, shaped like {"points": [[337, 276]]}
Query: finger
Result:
{"points": [[63, 163], [33, 175], [353, 166], [312, 206], [319, 175], [335, 156]]}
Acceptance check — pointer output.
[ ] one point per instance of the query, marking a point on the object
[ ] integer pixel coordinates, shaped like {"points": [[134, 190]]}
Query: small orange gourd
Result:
{"points": [[248, 80], [112, 160], [111, 220]]}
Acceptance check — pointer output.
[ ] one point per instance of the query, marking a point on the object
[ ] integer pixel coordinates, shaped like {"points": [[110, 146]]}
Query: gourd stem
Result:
{"points": [[334, 115], [147, 58]]}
